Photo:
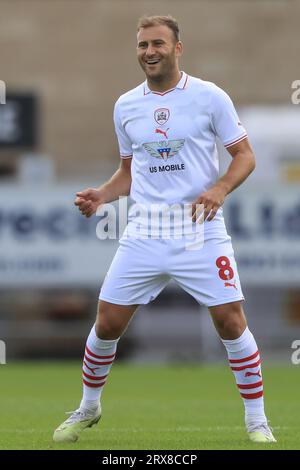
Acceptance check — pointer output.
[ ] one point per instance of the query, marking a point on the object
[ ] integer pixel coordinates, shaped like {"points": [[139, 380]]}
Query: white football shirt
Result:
{"points": [[171, 138]]}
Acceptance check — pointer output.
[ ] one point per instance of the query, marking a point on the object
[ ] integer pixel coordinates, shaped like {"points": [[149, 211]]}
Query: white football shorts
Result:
{"points": [[142, 268]]}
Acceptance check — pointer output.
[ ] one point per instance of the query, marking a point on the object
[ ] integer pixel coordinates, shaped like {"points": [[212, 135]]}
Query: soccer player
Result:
{"points": [[167, 129]]}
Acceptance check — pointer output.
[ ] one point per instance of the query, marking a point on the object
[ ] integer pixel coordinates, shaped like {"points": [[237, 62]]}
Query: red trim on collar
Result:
{"points": [[168, 91]]}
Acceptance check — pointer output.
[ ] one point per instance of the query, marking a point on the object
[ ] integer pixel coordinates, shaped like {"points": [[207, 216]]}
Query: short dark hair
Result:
{"points": [[148, 21]]}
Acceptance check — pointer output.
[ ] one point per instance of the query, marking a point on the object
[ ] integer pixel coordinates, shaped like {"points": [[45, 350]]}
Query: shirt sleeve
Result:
{"points": [[123, 139], [225, 120]]}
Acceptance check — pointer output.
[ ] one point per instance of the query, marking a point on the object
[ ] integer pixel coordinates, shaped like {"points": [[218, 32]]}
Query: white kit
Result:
{"points": [[171, 138]]}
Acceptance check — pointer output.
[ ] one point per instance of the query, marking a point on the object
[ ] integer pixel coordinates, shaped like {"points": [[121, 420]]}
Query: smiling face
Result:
{"points": [[158, 52]]}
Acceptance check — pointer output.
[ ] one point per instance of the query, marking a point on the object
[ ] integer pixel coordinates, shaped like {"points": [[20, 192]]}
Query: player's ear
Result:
{"points": [[179, 49]]}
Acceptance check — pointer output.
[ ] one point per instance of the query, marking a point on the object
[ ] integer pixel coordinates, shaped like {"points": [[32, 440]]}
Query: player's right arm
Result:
{"points": [[119, 185]]}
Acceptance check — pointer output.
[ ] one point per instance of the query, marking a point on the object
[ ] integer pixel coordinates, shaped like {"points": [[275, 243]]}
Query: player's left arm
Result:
{"points": [[243, 163]]}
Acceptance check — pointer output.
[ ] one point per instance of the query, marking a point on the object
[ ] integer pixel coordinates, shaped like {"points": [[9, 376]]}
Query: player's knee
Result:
{"points": [[106, 330], [232, 327], [229, 320], [106, 326]]}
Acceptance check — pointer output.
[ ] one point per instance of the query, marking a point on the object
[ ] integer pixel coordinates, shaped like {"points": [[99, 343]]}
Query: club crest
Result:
{"points": [[161, 116]]}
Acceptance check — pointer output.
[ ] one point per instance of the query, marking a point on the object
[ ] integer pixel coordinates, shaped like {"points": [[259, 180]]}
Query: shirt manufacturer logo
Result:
{"points": [[160, 131]]}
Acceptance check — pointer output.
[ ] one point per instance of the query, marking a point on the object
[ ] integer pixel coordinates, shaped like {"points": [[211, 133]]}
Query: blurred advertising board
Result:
{"points": [[46, 242], [264, 222], [18, 121]]}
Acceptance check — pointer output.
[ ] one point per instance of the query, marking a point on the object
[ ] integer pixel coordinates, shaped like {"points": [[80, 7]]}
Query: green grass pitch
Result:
{"points": [[144, 407]]}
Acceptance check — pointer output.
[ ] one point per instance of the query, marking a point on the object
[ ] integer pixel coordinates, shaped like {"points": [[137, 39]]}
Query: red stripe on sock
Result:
{"points": [[252, 396], [94, 377], [97, 363], [88, 384], [98, 357], [251, 366], [249, 386], [245, 359]]}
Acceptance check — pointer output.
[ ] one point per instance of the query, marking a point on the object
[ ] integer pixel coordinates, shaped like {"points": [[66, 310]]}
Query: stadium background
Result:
{"points": [[65, 62]]}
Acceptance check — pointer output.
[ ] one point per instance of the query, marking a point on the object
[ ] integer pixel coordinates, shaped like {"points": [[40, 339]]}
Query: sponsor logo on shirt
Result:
{"points": [[164, 149]]}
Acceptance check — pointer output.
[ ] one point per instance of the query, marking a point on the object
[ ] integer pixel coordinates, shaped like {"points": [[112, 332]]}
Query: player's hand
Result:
{"points": [[88, 201], [210, 202]]}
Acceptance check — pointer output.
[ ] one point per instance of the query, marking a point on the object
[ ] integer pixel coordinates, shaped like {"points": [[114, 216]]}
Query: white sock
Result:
{"points": [[98, 359], [244, 360]]}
